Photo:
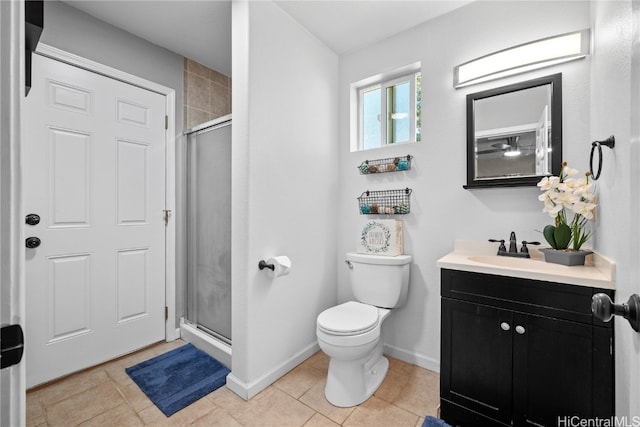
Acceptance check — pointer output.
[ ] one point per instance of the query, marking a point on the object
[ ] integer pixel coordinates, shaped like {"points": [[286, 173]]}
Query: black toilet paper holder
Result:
{"points": [[604, 309], [263, 264]]}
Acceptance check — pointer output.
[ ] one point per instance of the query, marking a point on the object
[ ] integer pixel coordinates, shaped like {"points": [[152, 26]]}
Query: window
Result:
{"points": [[389, 112]]}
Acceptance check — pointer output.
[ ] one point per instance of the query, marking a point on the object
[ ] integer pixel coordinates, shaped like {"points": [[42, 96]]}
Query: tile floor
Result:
{"points": [[106, 396]]}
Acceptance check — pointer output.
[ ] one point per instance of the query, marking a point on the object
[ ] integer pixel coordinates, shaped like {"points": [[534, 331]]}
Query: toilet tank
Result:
{"points": [[379, 280]]}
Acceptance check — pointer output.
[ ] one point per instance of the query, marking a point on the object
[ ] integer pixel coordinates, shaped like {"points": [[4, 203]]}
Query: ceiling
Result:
{"points": [[349, 25], [201, 30]]}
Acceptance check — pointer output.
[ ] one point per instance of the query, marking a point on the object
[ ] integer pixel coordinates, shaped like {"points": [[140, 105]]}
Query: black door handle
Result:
{"points": [[32, 242], [11, 345], [604, 309], [32, 219]]}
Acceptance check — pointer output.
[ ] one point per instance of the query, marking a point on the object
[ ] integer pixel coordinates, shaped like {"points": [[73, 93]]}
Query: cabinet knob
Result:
{"points": [[520, 329], [505, 326]]}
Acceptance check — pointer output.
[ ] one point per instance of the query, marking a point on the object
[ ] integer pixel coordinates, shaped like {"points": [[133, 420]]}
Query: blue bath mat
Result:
{"points": [[434, 422], [176, 379]]}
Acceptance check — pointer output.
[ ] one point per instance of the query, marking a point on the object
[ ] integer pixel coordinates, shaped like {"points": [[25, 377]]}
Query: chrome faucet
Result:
{"points": [[513, 247]]}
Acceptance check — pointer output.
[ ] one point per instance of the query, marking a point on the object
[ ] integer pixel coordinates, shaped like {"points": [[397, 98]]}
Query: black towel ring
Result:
{"points": [[609, 142]]}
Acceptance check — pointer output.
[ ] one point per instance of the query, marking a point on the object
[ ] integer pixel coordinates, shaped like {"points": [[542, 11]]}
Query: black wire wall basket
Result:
{"points": [[385, 202], [390, 164]]}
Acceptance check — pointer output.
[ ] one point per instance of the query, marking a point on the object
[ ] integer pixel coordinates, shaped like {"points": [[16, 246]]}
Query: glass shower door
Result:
{"points": [[209, 230]]}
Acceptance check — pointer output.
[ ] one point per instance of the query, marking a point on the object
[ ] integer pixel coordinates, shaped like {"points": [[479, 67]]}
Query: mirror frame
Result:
{"points": [[555, 81]]}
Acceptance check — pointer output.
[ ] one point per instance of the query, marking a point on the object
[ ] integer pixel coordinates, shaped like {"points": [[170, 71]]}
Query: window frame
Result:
{"points": [[383, 85]]}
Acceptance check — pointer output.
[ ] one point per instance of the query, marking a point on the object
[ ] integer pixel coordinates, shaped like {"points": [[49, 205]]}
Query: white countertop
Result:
{"points": [[480, 257]]}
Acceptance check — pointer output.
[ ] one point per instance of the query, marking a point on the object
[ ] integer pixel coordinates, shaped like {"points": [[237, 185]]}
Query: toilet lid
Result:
{"points": [[349, 318]]}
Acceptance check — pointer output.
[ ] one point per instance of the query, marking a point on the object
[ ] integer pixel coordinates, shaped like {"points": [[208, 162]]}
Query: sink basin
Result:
{"points": [[506, 262]]}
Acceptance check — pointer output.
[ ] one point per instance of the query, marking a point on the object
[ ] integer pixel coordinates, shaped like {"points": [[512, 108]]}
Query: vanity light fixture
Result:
{"points": [[525, 57]]}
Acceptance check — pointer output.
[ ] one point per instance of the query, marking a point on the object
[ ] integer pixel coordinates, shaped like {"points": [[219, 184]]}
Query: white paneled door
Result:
{"points": [[94, 174]]}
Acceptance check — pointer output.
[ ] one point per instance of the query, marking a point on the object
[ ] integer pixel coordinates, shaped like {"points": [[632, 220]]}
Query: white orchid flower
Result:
{"points": [[550, 206], [584, 209], [570, 171], [567, 199], [548, 183], [552, 209], [569, 184], [582, 186]]}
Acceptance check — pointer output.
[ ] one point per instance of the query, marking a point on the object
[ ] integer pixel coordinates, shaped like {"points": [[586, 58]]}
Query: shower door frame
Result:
{"points": [[190, 246]]}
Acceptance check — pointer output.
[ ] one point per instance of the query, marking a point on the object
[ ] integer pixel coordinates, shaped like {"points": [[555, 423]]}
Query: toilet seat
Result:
{"points": [[350, 318]]}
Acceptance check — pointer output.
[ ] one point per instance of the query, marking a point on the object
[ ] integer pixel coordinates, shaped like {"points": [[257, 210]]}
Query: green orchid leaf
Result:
{"points": [[562, 236], [548, 232]]}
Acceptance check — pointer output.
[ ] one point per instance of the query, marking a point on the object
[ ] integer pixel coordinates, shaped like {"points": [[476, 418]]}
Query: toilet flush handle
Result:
{"points": [[349, 264]]}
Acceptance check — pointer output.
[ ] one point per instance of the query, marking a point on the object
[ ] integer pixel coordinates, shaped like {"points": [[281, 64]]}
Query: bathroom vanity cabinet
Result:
{"points": [[522, 352]]}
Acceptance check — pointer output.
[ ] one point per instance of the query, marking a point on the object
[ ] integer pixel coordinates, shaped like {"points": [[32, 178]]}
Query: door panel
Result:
{"points": [[68, 299], [69, 177], [132, 196], [133, 284], [480, 349], [130, 113], [564, 358], [95, 149]]}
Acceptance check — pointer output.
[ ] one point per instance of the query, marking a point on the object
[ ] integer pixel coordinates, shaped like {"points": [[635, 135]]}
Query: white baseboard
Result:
{"points": [[237, 386], [413, 358], [248, 390]]}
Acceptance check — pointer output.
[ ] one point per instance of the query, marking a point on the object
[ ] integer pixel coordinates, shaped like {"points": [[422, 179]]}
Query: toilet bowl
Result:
{"points": [[350, 334]]}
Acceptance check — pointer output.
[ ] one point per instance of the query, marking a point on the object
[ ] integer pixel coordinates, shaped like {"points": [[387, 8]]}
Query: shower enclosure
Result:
{"points": [[209, 234]]}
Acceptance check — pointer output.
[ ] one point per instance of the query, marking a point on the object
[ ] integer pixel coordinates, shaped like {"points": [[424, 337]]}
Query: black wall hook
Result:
{"points": [[604, 309], [609, 142]]}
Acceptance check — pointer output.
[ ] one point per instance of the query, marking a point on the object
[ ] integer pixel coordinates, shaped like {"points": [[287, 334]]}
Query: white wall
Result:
{"points": [[285, 185], [615, 109], [441, 210]]}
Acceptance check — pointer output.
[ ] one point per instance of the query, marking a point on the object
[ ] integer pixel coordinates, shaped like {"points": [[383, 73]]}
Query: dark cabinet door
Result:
{"points": [[476, 367], [552, 370]]}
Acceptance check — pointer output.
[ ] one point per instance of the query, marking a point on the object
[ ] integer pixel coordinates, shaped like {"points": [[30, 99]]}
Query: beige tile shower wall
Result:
{"points": [[207, 94]]}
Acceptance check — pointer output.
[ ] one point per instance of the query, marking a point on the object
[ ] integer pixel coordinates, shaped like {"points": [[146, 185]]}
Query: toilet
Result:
{"points": [[350, 333]]}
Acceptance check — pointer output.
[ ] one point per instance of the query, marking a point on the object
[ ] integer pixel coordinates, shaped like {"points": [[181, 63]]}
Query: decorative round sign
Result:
{"points": [[375, 237]]}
